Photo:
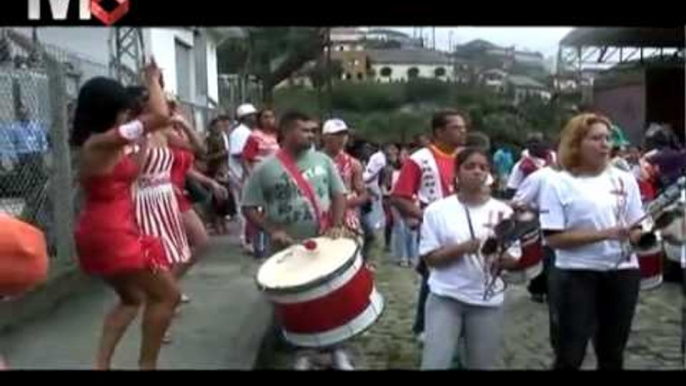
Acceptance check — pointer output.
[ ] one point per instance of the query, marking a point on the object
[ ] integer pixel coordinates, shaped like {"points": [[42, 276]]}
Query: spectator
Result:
{"points": [[30, 144]]}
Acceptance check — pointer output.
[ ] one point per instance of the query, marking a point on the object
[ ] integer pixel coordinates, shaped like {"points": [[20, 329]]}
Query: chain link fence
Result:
{"points": [[39, 85], [38, 88], [235, 90], [199, 116]]}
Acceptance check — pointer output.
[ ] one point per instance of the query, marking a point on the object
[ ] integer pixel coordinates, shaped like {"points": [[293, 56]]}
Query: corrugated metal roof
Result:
{"points": [[626, 37], [390, 32]]}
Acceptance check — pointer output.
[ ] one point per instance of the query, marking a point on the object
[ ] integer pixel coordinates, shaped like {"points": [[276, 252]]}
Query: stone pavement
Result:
{"points": [[222, 328], [389, 344]]}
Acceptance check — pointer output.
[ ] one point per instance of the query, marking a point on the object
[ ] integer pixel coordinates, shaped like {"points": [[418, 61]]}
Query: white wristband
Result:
{"points": [[132, 131]]}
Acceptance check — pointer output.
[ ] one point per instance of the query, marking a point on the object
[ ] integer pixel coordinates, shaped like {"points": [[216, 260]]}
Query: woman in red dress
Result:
{"points": [[108, 240]]}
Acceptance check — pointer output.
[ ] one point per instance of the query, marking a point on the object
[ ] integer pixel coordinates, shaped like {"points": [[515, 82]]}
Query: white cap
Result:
{"points": [[333, 126], [245, 109]]}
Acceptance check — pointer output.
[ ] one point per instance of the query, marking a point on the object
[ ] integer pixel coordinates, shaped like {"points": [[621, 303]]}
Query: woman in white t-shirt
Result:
{"points": [[587, 215], [453, 231]]}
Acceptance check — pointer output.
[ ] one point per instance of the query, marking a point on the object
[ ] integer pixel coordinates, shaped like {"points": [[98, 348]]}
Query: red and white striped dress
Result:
{"points": [[157, 210]]}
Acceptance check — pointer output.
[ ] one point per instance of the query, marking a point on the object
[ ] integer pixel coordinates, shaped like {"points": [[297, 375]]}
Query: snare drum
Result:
{"points": [[530, 264], [674, 236], [322, 292], [651, 266]]}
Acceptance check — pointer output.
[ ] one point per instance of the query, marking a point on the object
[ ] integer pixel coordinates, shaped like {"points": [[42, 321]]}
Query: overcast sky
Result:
{"points": [[542, 39]]}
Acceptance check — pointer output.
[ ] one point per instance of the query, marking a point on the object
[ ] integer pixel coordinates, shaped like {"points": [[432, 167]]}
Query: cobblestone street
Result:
{"points": [[389, 344]]}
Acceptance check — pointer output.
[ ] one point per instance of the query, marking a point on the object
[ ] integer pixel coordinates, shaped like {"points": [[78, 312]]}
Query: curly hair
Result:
{"points": [[577, 128]]}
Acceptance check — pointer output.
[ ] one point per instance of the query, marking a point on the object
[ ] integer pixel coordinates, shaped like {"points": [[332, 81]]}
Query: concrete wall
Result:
{"points": [[624, 105], [162, 46], [399, 71]]}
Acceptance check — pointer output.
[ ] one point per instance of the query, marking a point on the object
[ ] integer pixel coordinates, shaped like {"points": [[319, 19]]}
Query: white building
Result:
{"points": [[187, 56], [347, 39], [494, 79], [399, 65], [525, 88]]}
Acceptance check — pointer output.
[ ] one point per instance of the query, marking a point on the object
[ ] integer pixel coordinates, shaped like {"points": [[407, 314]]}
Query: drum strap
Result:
{"points": [[304, 186], [471, 227]]}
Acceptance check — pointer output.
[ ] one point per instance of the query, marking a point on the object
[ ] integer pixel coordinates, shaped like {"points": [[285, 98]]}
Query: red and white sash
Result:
{"points": [[305, 188], [433, 185]]}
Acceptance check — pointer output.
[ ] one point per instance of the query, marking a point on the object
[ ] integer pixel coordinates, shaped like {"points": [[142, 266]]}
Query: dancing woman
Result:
{"points": [[108, 239], [186, 144]]}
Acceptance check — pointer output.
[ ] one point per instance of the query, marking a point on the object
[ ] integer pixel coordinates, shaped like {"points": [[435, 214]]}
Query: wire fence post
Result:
{"points": [[62, 184]]}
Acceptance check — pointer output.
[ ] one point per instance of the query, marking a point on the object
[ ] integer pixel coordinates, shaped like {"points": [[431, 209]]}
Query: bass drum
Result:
{"points": [[322, 292]]}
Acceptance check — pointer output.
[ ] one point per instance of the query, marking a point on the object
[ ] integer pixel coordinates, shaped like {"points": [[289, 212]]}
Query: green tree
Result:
{"points": [[272, 53], [321, 73]]}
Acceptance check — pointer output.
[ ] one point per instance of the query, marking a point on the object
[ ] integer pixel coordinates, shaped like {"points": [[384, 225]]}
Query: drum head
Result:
{"points": [[297, 266]]}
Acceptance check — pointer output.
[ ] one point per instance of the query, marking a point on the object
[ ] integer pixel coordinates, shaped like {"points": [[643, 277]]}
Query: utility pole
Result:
{"points": [[329, 83], [433, 38]]}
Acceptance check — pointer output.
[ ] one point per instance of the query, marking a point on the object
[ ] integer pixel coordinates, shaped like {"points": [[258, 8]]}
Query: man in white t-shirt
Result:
{"points": [[238, 172], [529, 196], [535, 157], [373, 216]]}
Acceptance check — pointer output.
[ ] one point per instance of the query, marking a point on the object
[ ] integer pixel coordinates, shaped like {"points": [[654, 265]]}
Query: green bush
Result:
{"points": [[398, 111], [427, 90], [367, 97]]}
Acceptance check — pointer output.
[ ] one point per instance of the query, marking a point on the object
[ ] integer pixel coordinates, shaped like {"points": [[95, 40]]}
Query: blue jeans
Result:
{"points": [[405, 243], [260, 243]]}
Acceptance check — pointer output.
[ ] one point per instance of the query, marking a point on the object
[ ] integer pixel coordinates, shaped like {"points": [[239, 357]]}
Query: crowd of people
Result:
{"points": [[156, 189]]}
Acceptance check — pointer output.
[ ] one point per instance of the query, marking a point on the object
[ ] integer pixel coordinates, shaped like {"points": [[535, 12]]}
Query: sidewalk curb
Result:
{"points": [[44, 299]]}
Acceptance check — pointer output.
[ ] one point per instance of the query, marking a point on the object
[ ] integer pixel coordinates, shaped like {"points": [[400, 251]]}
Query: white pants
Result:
{"points": [[444, 320]]}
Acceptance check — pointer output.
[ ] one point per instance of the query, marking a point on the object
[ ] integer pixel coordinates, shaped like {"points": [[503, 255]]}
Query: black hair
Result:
{"points": [[289, 118], [214, 122], [261, 113], [440, 119], [139, 97], [478, 139], [467, 152], [99, 103]]}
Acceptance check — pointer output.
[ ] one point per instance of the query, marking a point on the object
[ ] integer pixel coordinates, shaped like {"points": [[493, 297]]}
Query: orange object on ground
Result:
{"points": [[23, 256]]}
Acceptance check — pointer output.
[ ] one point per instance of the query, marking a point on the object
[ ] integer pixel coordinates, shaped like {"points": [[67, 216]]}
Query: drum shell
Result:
{"points": [[329, 310], [530, 264], [650, 263], [672, 245]]}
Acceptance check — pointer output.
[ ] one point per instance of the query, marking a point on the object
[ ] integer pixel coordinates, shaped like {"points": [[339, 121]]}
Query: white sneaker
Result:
{"points": [[303, 363], [341, 361], [185, 299]]}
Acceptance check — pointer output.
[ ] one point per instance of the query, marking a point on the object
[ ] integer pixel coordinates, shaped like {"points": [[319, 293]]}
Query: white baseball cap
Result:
{"points": [[245, 109], [333, 126]]}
